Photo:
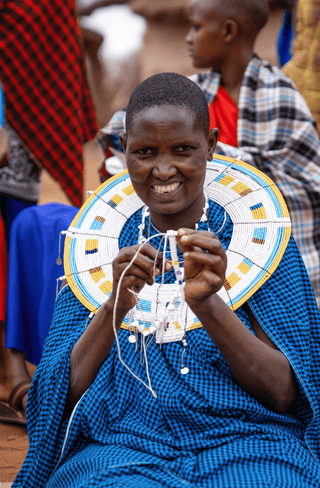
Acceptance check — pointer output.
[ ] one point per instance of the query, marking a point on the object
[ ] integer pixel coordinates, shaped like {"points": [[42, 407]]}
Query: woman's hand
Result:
{"points": [[142, 271], [255, 362], [205, 264], [94, 345]]}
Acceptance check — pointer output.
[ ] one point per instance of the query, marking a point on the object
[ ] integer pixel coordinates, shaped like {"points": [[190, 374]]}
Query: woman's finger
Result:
{"points": [[214, 261], [147, 258], [204, 242], [139, 272]]}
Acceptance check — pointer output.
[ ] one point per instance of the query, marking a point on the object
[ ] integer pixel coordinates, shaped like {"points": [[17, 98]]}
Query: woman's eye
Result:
{"points": [[183, 148], [145, 151]]}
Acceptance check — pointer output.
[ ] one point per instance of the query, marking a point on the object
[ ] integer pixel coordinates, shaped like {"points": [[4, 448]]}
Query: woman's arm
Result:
{"points": [[94, 346], [5, 147], [255, 362]]}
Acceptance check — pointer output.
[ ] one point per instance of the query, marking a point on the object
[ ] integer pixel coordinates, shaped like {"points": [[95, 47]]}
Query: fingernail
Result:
{"points": [[168, 266], [184, 238], [181, 232]]}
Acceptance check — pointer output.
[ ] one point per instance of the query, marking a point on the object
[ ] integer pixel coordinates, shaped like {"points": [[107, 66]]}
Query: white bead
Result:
{"points": [[184, 370], [184, 342], [146, 333], [132, 339], [157, 324], [171, 306], [152, 328], [135, 323]]}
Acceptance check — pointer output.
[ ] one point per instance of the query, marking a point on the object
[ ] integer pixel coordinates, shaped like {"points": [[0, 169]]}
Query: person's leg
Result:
{"points": [[13, 373], [14, 376]]}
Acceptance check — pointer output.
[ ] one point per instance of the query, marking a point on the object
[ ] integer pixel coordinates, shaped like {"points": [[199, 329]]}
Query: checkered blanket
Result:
{"points": [[48, 103], [276, 134]]}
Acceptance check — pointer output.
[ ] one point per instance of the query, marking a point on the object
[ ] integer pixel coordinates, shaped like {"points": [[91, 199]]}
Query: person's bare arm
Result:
{"points": [[255, 362], [93, 347], [5, 147]]}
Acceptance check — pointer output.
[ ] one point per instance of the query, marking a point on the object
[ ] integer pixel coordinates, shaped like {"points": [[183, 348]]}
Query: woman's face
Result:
{"points": [[166, 158]]}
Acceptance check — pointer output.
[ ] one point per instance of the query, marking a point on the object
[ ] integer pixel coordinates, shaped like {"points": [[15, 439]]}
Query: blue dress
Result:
{"points": [[203, 429], [33, 273]]}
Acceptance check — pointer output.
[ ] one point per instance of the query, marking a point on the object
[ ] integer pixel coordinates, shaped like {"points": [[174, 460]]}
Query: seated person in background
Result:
{"points": [[244, 410], [262, 118]]}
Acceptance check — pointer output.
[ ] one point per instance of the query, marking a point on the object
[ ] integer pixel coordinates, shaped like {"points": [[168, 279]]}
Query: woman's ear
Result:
{"points": [[123, 140], [230, 30], [212, 142]]}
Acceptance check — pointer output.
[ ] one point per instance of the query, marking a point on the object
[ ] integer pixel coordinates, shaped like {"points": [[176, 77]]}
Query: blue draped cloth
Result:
{"points": [[33, 250], [203, 429]]}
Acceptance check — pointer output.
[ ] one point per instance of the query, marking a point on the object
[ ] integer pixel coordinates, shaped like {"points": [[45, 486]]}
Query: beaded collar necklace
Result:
{"points": [[261, 231]]}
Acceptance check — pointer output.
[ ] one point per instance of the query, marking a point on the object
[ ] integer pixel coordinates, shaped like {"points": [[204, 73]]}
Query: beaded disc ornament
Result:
{"points": [[261, 231]]}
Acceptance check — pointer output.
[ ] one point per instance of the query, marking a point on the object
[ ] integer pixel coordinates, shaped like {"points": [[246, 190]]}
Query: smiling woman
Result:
{"points": [[166, 158], [183, 388]]}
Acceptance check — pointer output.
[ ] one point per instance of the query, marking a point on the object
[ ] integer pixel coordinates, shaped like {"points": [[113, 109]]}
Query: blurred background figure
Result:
{"points": [[118, 70], [48, 116]]}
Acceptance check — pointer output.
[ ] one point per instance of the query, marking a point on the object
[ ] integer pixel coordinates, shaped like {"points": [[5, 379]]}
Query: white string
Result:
{"points": [[223, 223], [114, 320]]}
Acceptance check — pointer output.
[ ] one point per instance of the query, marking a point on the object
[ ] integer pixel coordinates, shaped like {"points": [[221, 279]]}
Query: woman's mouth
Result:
{"points": [[166, 189]]}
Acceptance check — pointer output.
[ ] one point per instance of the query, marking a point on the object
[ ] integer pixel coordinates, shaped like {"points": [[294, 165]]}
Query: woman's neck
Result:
{"points": [[186, 219]]}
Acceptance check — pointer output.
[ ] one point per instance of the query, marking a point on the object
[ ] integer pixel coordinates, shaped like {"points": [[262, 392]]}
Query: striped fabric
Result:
{"points": [[48, 103], [276, 134]]}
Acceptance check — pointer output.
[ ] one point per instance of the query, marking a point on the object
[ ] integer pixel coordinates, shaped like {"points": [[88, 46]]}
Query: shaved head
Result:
{"points": [[250, 15]]}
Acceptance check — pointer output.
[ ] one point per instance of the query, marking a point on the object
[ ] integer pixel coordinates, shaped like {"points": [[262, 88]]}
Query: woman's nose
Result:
{"points": [[164, 168]]}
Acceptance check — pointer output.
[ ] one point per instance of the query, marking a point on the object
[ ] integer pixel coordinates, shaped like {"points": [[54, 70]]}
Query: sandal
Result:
{"points": [[11, 412]]}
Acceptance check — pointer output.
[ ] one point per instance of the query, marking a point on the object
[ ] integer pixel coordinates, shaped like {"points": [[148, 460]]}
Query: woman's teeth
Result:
{"points": [[167, 188]]}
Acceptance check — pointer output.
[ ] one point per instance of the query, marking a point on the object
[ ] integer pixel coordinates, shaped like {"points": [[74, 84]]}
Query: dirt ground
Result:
{"points": [[164, 50]]}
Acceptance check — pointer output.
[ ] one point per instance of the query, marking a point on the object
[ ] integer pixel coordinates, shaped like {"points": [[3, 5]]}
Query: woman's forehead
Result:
{"points": [[163, 114]]}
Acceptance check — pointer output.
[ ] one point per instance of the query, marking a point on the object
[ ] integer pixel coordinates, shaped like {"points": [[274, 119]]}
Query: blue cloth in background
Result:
{"points": [[285, 38], [33, 250]]}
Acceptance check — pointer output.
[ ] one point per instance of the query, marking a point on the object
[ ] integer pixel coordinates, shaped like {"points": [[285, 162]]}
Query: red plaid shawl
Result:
{"points": [[48, 103]]}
